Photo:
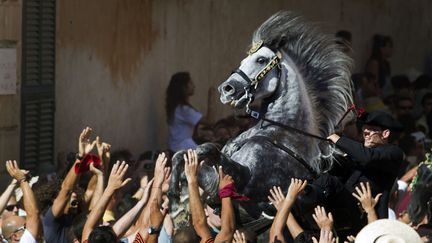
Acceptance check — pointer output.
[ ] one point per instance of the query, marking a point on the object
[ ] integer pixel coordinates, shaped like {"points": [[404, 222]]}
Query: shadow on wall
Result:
{"points": [[117, 32]]}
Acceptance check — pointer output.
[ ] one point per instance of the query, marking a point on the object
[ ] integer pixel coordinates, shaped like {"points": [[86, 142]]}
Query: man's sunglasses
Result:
{"points": [[74, 203], [11, 207]]}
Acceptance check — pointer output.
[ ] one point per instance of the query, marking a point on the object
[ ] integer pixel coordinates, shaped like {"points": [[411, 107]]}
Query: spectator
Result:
{"points": [[197, 210], [15, 228], [368, 93], [426, 103], [378, 63], [8, 203], [182, 117], [375, 160], [281, 218], [402, 86]]}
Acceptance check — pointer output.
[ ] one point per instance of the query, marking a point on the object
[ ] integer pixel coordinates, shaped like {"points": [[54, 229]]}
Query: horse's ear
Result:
{"points": [[277, 43]]}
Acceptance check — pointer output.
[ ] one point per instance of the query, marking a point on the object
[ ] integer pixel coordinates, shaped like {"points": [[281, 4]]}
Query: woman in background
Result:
{"points": [[378, 64], [182, 117]]}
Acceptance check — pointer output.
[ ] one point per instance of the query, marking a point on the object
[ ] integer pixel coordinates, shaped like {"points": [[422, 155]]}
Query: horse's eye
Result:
{"points": [[262, 60]]}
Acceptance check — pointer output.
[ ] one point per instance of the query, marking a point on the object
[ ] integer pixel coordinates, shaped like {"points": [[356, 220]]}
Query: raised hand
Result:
{"points": [[159, 172], [239, 237], [191, 165], [364, 195], [166, 181], [295, 188], [323, 220], [326, 236], [350, 239], [115, 180], [14, 171], [277, 197], [95, 170], [102, 148], [224, 180], [85, 146]]}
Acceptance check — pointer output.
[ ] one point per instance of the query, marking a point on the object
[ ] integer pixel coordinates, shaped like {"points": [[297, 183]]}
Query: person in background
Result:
{"points": [[426, 103], [199, 220], [378, 64], [182, 117], [16, 228]]}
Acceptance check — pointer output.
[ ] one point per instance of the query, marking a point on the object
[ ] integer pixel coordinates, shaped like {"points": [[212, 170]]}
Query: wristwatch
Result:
{"points": [[78, 157], [153, 230]]}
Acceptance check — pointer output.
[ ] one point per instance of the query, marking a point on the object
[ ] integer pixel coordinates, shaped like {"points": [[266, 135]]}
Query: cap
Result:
{"points": [[381, 119]]}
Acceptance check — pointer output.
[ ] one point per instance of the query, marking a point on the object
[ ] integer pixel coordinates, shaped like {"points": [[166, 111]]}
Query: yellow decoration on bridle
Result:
{"points": [[272, 64], [255, 47]]}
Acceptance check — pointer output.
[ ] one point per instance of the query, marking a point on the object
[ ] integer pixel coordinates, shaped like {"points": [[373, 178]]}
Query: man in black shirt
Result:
{"points": [[376, 160]]}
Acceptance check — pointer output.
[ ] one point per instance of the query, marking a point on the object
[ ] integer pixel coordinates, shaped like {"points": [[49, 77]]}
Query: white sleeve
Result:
{"points": [[189, 115], [27, 237], [402, 185]]}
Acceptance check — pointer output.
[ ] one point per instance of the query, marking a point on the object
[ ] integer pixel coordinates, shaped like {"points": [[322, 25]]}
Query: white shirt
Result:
{"points": [[27, 237], [182, 127]]}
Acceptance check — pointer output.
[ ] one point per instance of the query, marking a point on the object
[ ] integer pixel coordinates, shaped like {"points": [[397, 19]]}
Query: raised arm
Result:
{"points": [[98, 175], [276, 198], [84, 147], [199, 219], [4, 198], [228, 217], [323, 220], [276, 229], [115, 182], [160, 175], [30, 205], [126, 221], [364, 195]]}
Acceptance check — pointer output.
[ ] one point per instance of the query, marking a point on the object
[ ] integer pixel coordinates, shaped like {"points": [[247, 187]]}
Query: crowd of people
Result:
{"points": [[104, 196]]}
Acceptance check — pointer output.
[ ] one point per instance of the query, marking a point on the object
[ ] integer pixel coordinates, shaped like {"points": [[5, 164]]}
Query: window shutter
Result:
{"points": [[37, 86]]}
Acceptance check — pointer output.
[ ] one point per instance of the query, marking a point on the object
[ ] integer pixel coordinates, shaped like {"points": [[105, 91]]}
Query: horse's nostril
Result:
{"points": [[228, 88]]}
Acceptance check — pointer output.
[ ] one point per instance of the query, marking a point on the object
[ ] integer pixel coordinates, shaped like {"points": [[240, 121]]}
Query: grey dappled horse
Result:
{"points": [[303, 81]]}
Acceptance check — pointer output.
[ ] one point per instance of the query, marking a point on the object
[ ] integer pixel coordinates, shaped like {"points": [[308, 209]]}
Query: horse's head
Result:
{"points": [[256, 78]]}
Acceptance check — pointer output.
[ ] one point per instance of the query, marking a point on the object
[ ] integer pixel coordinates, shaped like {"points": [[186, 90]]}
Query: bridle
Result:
{"points": [[250, 89]]}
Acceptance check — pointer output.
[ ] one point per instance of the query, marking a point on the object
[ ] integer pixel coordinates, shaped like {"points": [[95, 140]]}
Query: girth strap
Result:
{"points": [[289, 151]]}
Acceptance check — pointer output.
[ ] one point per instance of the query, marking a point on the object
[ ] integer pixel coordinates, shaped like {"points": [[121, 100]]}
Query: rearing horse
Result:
{"points": [[302, 79]]}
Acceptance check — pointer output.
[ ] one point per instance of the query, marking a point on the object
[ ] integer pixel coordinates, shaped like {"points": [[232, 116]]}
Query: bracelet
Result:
{"points": [[21, 180]]}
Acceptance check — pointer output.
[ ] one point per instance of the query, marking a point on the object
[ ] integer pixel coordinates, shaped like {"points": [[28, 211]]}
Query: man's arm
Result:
{"points": [[98, 175], [124, 223], [115, 182], [364, 195], [199, 219], [387, 155], [160, 175], [84, 147], [276, 198], [30, 205], [4, 198], [228, 217], [276, 229]]}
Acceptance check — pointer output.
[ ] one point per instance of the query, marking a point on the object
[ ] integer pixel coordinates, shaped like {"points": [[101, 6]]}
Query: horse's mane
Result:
{"points": [[324, 67]]}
